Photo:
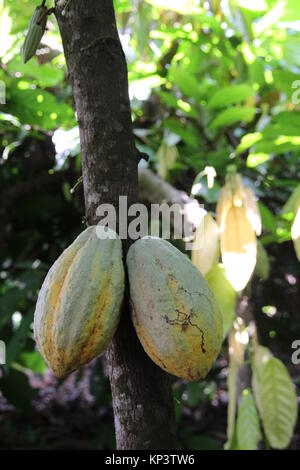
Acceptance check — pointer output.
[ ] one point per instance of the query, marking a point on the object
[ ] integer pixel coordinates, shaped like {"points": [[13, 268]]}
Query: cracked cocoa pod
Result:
{"points": [[174, 312], [79, 304]]}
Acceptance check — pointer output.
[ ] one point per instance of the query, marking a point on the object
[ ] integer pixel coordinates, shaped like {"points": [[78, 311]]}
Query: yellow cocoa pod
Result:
{"points": [[225, 202], [174, 312], [238, 248], [206, 244], [78, 306]]}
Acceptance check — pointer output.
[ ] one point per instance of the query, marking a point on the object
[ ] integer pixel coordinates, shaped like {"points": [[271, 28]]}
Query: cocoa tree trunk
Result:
{"points": [[142, 396]]}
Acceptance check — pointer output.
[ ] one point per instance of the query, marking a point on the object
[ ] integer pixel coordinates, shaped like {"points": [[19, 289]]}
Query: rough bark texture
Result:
{"points": [[142, 397]]}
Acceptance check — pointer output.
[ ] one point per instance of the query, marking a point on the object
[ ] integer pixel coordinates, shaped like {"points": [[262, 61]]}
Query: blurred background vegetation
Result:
{"points": [[212, 84]]}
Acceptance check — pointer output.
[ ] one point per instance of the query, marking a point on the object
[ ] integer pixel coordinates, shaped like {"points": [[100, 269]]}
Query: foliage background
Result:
{"points": [[211, 85]]}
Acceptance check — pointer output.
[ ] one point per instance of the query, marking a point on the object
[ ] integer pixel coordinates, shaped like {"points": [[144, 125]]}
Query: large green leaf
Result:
{"points": [[234, 115], [186, 82], [278, 403], [248, 428], [230, 95], [262, 356], [290, 50], [188, 133], [46, 75], [267, 218], [39, 108]]}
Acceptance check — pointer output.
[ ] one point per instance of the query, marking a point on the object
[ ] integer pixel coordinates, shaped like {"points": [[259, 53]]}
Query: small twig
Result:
{"points": [[46, 13], [78, 183]]}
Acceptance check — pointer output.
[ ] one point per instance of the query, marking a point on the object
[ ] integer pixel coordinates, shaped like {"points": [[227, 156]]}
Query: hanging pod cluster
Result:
{"points": [[173, 310]]}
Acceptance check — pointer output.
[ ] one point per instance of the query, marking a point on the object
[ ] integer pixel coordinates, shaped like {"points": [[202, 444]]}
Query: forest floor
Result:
{"points": [[67, 417]]}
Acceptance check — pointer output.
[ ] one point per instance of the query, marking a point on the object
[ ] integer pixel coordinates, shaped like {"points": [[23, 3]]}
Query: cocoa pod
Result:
{"points": [[174, 312], [35, 33], [238, 248], [78, 306]]}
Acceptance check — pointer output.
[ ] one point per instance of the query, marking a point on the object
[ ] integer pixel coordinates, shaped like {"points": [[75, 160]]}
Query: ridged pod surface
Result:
{"points": [[35, 33], [174, 312], [78, 306]]}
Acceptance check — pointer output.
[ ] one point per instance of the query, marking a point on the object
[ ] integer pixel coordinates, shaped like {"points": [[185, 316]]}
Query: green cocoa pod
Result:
{"points": [[174, 312], [78, 307], [35, 33]]}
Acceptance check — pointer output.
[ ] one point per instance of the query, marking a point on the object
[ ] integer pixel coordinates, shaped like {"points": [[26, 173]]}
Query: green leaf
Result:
{"points": [[278, 402], [32, 360], [290, 50], [188, 132], [284, 80], [267, 218], [122, 6], [16, 389], [291, 11], [224, 293], [39, 108], [186, 82], [248, 141], [256, 159], [233, 116], [230, 95], [291, 204], [19, 338], [262, 268], [46, 75], [248, 429], [262, 356]]}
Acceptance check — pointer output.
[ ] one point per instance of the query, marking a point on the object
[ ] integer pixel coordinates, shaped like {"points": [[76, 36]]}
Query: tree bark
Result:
{"points": [[142, 396]]}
